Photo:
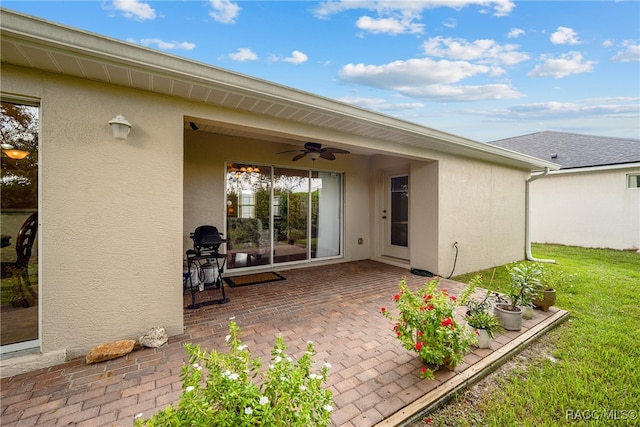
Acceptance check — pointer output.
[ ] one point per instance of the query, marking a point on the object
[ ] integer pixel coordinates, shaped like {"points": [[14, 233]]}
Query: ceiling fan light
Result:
{"points": [[314, 156]]}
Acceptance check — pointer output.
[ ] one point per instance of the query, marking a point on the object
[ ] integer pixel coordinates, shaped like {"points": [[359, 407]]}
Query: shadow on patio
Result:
{"points": [[374, 380]]}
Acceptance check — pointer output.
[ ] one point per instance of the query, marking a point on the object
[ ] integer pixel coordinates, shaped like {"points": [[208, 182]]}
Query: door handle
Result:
{"points": [[384, 217]]}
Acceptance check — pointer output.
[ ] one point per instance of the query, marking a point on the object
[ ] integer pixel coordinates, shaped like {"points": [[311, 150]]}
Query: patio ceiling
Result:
{"points": [[34, 43]]}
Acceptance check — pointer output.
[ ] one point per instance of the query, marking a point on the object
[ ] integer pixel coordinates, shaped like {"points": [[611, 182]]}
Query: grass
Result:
{"points": [[593, 376]]}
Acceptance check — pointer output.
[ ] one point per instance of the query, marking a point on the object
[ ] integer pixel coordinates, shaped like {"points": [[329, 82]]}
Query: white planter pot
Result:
{"points": [[484, 339]]}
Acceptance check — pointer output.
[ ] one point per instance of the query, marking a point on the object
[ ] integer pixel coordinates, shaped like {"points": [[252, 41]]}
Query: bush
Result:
{"points": [[219, 390]]}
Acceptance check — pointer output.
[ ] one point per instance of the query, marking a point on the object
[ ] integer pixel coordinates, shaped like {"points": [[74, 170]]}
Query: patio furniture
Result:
{"points": [[19, 269], [206, 259]]}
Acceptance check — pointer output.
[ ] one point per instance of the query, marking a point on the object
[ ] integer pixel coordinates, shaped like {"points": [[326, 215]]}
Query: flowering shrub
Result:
{"points": [[425, 323], [218, 389]]}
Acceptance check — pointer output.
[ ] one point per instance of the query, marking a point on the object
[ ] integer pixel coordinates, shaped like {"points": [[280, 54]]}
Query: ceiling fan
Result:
{"points": [[315, 151]]}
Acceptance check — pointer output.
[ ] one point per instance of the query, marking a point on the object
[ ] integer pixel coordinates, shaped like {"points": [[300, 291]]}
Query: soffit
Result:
{"points": [[33, 43]]}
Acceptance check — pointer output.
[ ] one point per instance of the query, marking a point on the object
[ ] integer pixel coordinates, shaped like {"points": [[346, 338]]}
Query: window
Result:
{"points": [[633, 181], [19, 132]]}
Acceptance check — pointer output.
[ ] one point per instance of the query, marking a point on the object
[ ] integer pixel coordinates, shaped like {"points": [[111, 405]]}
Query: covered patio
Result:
{"points": [[375, 382]]}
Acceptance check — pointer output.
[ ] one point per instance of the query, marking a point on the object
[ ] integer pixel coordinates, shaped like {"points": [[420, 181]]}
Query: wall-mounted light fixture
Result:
{"points": [[14, 153], [120, 127]]}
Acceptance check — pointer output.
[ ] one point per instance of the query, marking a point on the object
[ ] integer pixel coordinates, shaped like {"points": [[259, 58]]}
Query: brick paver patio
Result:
{"points": [[374, 380]]}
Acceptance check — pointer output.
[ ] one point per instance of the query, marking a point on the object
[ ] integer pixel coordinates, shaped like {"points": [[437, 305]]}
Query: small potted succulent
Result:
{"points": [[522, 289], [425, 322]]}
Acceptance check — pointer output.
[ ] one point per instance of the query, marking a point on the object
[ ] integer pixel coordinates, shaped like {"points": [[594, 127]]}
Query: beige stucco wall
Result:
{"points": [[590, 209], [482, 208], [110, 211]]}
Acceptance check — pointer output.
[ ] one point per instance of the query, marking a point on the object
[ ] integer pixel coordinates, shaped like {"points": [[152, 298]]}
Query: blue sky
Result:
{"points": [[481, 69]]}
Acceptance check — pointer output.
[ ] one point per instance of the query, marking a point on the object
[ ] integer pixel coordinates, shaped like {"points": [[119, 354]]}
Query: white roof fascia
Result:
{"points": [[597, 168]]}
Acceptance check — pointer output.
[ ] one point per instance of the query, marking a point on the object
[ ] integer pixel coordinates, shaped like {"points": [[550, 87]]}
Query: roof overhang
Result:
{"points": [[35, 43]]}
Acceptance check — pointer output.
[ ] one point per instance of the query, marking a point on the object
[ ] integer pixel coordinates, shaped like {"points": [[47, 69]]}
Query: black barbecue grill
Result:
{"points": [[205, 257]]}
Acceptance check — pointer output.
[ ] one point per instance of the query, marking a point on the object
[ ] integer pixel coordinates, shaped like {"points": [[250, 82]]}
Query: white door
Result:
{"points": [[395, 216]]}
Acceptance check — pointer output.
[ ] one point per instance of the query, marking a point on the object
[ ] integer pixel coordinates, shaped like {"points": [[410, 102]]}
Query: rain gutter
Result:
{"points": [[527, 218]]}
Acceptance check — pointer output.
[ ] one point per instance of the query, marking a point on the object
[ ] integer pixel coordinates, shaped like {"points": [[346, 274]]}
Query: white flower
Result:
{"points": [[302, 388], [278, 350], [189, 389], [227, 338], [232, 318], [278, 359], [234, 377], [137, 416], [271, 366], [242, 347], [198, 367], [327, 365], [309, 342], [289, 359], [315, 377], [328, 408], [248, 410], [264, 400]]}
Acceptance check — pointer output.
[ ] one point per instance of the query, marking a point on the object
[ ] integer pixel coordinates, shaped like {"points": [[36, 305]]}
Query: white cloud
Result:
{"points": [[172, 45], [389, 25], [483, 51], [450, 23], [243, 54], [224, 11], [564, 35], [514, 33], [630, 52], [610, 107], [378, 104], [426, 78], [327, 8], [135, 9], [565, 65], [296, 57]]}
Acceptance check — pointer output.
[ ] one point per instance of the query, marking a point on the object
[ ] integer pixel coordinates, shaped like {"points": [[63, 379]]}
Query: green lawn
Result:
{"points": [[594, 375]]}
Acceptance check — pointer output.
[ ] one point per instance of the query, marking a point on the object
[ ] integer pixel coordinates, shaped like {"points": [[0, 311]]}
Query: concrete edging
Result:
{"points": [[440, 395]]}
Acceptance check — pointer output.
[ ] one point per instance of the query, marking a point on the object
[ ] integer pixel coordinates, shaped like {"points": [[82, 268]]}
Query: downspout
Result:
{"points": [[527, 216]]}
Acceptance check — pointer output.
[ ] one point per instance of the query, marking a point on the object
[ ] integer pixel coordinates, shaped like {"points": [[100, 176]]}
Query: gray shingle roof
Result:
{"points": [[574, 150]]}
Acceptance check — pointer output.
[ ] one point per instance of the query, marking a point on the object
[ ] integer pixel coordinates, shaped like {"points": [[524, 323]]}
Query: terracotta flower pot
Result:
{"points": [[545, 299]]}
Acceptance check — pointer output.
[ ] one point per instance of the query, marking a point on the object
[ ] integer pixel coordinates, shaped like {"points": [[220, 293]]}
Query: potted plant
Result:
{"points": [[551, 280], [484, 325], [425, 322], [481, 321], [522, 289]]}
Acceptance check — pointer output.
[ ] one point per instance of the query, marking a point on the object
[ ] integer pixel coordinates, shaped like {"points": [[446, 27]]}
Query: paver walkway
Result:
{"points": [[374, 380]]}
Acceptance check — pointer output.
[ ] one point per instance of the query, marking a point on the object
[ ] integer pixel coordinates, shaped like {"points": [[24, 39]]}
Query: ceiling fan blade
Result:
{"points": [[327, 155], [299, 156], [290, 151], [336, 150]]}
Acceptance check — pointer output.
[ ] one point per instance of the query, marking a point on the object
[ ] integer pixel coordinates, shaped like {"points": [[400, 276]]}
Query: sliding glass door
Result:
{"points": [[281, 215]]}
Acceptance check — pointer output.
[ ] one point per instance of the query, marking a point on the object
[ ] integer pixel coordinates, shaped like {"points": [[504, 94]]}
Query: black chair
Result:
{"points": [[204, 255], [19, 269]]}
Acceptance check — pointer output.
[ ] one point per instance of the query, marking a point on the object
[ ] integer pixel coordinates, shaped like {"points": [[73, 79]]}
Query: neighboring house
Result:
{"points": [[594, 199], [209, 146]]}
